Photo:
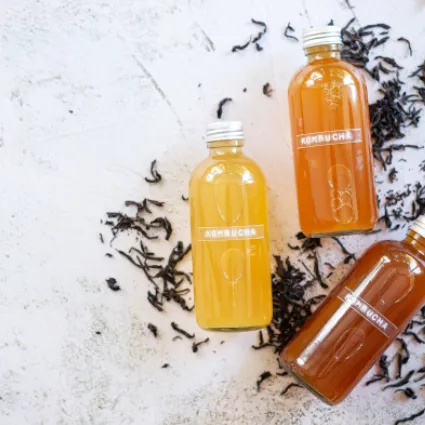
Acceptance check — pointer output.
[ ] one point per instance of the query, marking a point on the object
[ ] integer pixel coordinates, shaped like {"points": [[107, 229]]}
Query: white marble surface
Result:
{"points": [[91, 92]]}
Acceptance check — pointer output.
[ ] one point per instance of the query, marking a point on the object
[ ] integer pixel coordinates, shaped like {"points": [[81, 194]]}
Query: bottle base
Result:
{"points": [[307, 386], [230, 329], [339, 233]]}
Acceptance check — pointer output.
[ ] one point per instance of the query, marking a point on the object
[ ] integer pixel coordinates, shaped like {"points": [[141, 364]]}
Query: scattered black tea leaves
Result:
{"points": [[165, 366], [241, 46], [261, 33], [403, 356], [310, 244], [176, 338], [267, 90], [101, 238], [348, 4], [293, 247], [349, 256], [408, 44], [153, 329], [253, 40], [244, 90], [381, 41], [331, 22], [112, 284], [289, 387], [388, 116], [408, 392], [383, 364], [400, 383], [392, 175], [317, 273], [165, 277], [419, 72], [156, 177], [375, 378], [348, 24], [195, 345], [291, 305], [421, 93], [144, 206], [109, 255], [162, 223], [329, 265], [389, 61], [300, 236], [289, 29], [410, 418], [98, 333], [401, 361], [383, 69], [415, 337], [220, 106], [260, 338], [176, 327], [265, 375]]}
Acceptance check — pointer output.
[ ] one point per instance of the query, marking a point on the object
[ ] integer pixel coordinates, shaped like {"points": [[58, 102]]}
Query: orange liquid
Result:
{"points": [[335, 183], [340, 342], [231, 275]]}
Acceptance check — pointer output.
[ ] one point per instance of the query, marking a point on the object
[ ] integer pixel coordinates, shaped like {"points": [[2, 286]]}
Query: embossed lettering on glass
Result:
{"points": [[331, 140], [361, 317], [230, 235]]}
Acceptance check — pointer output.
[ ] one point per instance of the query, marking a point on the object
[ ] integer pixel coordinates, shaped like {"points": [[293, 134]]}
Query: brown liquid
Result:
{"points": [[347, 334], [332, 146]]}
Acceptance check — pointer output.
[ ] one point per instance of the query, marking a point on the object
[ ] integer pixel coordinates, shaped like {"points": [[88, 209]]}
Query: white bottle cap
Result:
{"points": [[225, 130], [317, 36]]}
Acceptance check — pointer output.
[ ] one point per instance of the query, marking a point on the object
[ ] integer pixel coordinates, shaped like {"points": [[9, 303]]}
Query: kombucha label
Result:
{"points": [[326, 138], [373, 316], [231, 233]]}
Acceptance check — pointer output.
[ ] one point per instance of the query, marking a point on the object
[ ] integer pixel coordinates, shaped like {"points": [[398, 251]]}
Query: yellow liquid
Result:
{"points": [[231, 265]]}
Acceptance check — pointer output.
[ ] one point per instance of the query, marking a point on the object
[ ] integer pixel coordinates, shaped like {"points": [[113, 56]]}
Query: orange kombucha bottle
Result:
{"points": [[229, 224], [349, 332], [331, 140]]}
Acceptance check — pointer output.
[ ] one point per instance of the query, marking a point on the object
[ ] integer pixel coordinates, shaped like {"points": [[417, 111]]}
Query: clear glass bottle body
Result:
{"points": [[332, 146], [361, 317], [229, 225]]}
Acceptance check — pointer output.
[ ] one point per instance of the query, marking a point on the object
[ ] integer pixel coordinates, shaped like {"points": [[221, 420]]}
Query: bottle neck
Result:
{"points": [[225, 147], [416, 241], [325, 51]]}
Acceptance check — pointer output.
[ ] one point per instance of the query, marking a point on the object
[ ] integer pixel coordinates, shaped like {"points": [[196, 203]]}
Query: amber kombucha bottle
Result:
{"points": [[229, 223], [361, 317], [331, 140]]}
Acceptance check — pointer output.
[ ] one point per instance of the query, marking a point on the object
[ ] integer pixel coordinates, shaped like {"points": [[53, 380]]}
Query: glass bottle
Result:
{"points": [[331, 140], [229, 225], [361, 317]]}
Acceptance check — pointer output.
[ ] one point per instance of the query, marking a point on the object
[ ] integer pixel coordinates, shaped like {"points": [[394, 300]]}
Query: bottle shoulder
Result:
{"points": [[212, 167], [319, 71], [398, 251]]}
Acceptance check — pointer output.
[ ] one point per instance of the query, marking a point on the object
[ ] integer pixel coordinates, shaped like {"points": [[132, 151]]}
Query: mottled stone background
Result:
{"points": [[91, 92]]}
